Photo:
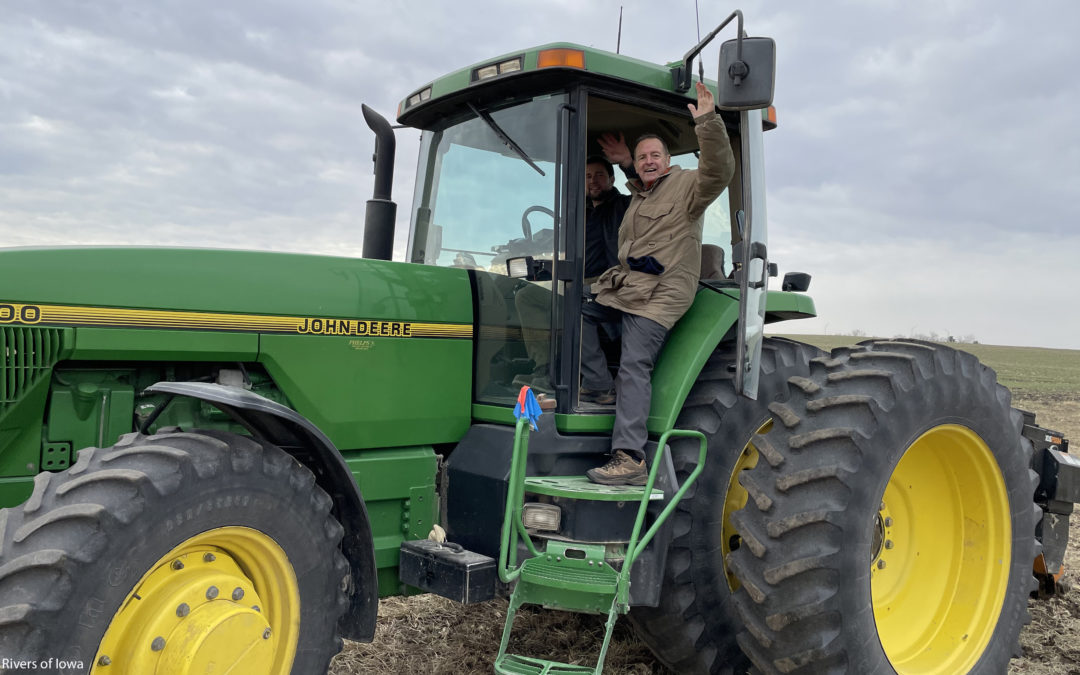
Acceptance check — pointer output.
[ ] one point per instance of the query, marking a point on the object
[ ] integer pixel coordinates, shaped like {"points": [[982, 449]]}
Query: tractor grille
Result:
{"points": [[26, 355]]}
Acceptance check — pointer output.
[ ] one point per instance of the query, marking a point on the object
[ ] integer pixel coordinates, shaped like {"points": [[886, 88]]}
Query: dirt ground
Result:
{"points": [[426, 634]]}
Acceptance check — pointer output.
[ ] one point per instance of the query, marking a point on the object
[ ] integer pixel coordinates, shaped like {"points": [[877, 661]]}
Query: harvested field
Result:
{"points": [[426, 634]]}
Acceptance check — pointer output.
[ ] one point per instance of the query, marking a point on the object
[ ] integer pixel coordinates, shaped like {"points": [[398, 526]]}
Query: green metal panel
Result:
{"points": [[688, 346], [375, 392], [582, 424], [20, 432], [93, 412], [144, 345], [376, 353], [15, 491], [695, 337], [580, 487], [398, 485], [253, 282]]}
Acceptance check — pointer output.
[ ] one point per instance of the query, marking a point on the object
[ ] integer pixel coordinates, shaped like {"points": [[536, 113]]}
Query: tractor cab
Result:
{"points": [[500, 192]]}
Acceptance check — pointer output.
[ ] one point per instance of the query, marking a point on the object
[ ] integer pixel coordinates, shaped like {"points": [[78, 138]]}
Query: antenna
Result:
{"points": [[618, 40], [697, 19], [701, 61]]}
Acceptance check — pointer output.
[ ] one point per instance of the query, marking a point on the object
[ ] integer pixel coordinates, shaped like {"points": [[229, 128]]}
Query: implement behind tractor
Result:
{"points": [[216, 460]]}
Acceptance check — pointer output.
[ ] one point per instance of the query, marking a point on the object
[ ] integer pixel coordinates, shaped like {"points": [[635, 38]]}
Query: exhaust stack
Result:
{"points": [[381, 210]]}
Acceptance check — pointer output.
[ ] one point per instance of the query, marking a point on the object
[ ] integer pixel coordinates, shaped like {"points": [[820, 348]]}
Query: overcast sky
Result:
{"points": [[926, 170]]}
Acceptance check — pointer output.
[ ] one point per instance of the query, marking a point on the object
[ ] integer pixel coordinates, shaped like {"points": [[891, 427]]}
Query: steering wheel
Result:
{"points": [[525, 226]]}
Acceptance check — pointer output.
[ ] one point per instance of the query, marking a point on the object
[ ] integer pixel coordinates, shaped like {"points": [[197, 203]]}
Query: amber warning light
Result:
{"points": [[567, 58]]}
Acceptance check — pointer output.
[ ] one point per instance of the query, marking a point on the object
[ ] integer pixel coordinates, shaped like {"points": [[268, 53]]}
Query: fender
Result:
{"points": [[287, 429], [715, 312]]}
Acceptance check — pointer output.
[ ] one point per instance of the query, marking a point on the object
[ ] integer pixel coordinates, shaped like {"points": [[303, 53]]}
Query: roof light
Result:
{"points": [[566, 58], [419, 97], [494, 69], [513, 65]]}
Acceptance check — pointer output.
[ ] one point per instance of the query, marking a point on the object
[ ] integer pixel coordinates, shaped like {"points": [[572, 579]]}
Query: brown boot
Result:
{"points": [[622, 469]]}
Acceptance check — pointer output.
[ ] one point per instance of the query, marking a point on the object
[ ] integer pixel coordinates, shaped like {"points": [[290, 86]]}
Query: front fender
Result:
{"points": [[287, 429], [713, 315]]}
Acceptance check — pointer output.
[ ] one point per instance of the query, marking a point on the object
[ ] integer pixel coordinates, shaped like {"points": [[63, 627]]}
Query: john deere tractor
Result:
{"points": [[219, 460]]}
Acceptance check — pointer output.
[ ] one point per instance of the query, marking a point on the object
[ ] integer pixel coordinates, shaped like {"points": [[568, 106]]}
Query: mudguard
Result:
{"points": [[713, 315]]}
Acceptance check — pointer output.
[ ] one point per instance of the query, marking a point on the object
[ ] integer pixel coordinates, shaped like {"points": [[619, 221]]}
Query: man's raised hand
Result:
{"points": [[705, 101]]}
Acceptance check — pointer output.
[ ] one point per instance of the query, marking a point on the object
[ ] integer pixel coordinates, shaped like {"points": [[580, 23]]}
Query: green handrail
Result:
{"points": [[512, 526], [635, 547]]}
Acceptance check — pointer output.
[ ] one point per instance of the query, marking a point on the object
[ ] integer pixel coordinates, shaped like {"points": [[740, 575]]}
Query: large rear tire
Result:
{"points": [[173, 553], [891, 527], [693, 628]]}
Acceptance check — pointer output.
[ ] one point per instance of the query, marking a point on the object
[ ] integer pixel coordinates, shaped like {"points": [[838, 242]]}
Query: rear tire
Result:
{"points": [[693, 628], [175, 548], [891, 528]]}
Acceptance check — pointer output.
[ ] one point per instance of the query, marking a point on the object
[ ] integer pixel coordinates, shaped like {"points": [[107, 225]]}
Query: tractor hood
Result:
{"points": [[248, 282]]}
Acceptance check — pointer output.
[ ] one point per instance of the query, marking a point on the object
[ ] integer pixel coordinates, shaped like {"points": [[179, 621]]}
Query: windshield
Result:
{"points": [[478, 201], [486, 193]]}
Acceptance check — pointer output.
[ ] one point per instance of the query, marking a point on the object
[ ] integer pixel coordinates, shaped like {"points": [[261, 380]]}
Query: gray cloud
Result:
{"points": [[925, 169]]}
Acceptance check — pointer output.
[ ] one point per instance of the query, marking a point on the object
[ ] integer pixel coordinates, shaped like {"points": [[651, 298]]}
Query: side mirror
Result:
{"points": [[796, 281], [747, 73]]}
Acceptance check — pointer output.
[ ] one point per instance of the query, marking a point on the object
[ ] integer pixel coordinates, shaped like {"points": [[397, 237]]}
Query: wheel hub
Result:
{"points": [[199, 611], [940, 553]]}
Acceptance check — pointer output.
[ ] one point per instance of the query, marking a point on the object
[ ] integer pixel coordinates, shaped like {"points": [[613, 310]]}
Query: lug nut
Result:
{"points": [[209, 557], [266, 634], [881, 564], [237, 593], [888, 522], [211, 593], [888, 543], [177, 565], [158, 644], [256, 608], [183, 610], [104, 660], [882, 507]]}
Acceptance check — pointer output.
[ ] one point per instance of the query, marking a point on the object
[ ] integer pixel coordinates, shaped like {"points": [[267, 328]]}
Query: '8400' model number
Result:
{"points": [[10, 313]]}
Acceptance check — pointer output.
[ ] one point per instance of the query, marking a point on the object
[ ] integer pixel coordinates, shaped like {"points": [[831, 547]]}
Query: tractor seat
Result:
{"points": [[712, 262]]}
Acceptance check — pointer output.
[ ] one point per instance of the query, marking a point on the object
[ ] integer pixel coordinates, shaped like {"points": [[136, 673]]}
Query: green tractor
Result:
{"points": [[215, 459]]}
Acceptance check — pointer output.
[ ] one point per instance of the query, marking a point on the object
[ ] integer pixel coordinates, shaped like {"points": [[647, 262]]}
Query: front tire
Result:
{"points": [[174, 553], [891, 528], [693, 628]]}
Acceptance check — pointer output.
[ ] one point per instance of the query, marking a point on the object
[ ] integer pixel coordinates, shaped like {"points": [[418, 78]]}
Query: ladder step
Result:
{"points": [[580, 487], [512, 664], [569, 575]]}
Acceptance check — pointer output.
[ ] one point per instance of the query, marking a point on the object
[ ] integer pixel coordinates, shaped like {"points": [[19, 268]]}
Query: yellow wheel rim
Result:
{"points": [[735, 499], [941, 553], [223, 601]]}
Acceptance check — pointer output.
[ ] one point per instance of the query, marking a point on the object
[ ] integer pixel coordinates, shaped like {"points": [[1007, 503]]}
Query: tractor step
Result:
{"points": [[512, 664], [573, 576], [580, 487], [569, 576]]}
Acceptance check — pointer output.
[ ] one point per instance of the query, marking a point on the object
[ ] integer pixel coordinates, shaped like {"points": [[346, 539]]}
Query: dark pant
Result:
{"points": [[641, 342]]}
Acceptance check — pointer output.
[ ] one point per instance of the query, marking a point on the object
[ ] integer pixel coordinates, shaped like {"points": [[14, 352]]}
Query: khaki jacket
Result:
{"points": [[665, 221]]}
